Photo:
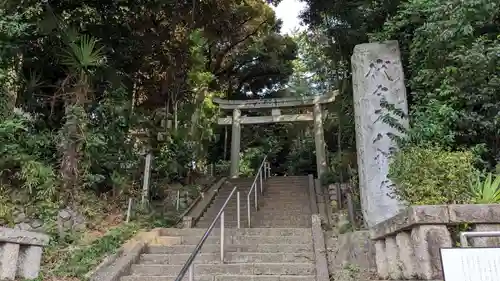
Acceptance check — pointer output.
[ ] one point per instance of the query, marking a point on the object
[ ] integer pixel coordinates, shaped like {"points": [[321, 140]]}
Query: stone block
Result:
{"points": [[486, 241], [319, 249], [475, 213], [411, 216], [9, 235], [9, 253], [406, 255], [393, 259], [29, 262], [187, 222], [427, 240], [381, 259], [355, 248]]}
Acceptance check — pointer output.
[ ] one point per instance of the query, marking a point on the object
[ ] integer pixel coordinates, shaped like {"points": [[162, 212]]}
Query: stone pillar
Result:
{"points": [[9, 252], [426, 241], [319, 140], [235, 144], [378, 84], [381, 259], [406, 255], [393, 258], [29, 262]]}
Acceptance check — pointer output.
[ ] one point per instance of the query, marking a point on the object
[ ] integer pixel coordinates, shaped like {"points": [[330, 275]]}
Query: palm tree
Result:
{"points": [[82, 56]]}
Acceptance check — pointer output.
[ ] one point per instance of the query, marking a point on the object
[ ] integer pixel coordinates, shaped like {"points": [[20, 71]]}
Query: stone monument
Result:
{"points": [[379, 90]]}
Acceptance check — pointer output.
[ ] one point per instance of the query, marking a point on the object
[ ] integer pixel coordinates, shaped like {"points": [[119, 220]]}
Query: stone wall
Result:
{"points": [[407, 245], [339, 211], [352, 249], [67, 220]]}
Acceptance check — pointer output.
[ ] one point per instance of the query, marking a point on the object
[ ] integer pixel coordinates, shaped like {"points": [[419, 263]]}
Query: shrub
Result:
{"points": [[485, 191], [427, 176]]}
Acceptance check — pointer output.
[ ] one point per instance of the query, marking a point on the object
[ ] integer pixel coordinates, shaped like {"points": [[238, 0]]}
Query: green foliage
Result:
{"points": [[24, 173], [173, 159], [451, 51], [222, 167], [301, 158], [110, 157], [429, 176], [485, 191], [250, 160]]}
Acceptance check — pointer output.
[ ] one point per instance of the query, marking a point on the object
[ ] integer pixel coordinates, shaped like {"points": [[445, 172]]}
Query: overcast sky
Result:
{"points": [[288, 11]]}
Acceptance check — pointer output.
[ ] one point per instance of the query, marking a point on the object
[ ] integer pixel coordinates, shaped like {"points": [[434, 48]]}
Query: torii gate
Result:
{"points": [[275, 105]]}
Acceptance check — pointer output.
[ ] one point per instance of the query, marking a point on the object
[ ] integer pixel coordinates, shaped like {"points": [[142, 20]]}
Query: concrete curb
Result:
{"points": [[117, 265], [312, 195], [113, 269], [322, 201], [322, 273], [195, 212]]}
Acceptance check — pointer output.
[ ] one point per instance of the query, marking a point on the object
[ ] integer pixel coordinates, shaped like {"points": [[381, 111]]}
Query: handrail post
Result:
{"points": [[248, 208], [261, 183], [191, 272], [238, 208], [255, 192], [178, 199], [188, 266], [222, 238]]}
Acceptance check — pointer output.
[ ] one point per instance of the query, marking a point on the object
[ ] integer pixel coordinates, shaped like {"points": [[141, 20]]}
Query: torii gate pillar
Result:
{"points": [[319, 140], [235, 143]]}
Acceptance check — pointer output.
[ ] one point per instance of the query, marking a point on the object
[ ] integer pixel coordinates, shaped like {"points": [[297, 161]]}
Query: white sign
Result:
{"points": [[471, 264]]}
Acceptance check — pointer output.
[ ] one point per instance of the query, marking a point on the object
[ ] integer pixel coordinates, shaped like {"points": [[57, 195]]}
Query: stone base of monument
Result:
{"points": [[407, 246], [20, 253]]}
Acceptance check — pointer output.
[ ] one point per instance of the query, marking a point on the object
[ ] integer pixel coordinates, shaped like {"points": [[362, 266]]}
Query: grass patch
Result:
{"points": [[85, 258]]}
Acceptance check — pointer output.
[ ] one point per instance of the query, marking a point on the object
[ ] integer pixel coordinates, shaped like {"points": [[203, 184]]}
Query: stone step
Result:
{"points": [[254, 223], [206, 221], [210, 258], [266, 211], [290, 184], [290, 177], [269, 202], [284, 191], [273, 224], [260, 215], [266, 201], [297, 182], [235, 240], [234, 269], [285, 231], [213, 248], [298, 206], [224, 278], [232, 214]]}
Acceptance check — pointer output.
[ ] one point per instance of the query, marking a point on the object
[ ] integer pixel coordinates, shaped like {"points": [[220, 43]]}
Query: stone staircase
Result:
{"points": [[278, 247], [285, 203], [258, 254]]}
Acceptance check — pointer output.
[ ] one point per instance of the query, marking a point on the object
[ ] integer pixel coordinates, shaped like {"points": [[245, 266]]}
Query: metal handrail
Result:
{"points": [[189, 266], [265, 168], [464, 235]]}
